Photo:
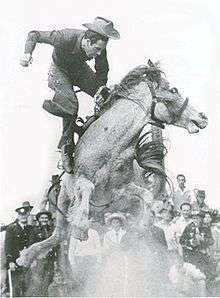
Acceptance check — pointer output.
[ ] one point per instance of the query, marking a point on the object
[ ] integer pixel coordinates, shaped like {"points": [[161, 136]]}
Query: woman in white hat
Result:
{"points": [[114, 267]]}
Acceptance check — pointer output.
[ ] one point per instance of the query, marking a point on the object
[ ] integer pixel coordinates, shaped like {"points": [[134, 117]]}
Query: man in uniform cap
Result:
{"points": [[17, 239], [72, 48], [27, 207]]}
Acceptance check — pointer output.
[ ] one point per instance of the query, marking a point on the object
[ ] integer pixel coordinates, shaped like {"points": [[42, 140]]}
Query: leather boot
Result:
{"points": [[66, 159]]}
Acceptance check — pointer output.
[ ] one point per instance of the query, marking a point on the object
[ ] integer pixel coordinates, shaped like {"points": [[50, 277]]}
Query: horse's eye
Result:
{"points": [[174, 90]]}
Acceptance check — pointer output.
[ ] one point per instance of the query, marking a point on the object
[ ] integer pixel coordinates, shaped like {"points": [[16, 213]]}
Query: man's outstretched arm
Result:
{"points": [[54, 38]]}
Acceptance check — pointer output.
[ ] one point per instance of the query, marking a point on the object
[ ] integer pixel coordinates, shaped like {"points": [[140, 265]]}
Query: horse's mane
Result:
{"points": [[150, 72], [150, 155]]}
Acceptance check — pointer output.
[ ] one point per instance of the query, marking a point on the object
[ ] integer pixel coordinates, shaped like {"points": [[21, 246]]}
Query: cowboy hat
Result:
{"points": [[116, 216], [104, 27], [43, 211], [25, 205]]}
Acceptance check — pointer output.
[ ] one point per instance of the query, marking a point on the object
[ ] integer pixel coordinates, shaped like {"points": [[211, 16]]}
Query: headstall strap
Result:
{"points": [[157, 122], [175, 116]]}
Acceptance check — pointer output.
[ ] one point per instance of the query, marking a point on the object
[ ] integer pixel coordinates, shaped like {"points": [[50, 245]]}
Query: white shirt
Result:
{"points": [[168, 232], [112, 239], [181, 196], [175, 276], [176, 229]]}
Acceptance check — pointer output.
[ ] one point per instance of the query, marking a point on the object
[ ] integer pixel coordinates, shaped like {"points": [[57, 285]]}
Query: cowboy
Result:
{"points": [[41, 273], [17, 239], [72, 48], [51, 196]]}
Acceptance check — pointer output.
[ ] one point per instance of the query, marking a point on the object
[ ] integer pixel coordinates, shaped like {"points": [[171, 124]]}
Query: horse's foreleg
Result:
{"points": [[79, 211], [28, 255]]}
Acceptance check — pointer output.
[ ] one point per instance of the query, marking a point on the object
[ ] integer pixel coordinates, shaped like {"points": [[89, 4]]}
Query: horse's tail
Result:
{"points": [[150, 155]]}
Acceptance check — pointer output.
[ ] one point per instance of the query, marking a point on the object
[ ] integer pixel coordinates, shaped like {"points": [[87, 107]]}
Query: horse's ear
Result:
{"points": [[150, 63]]}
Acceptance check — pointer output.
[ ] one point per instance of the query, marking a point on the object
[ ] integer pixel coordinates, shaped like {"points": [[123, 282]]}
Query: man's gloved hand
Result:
{"points": [[12, 266], [26, 59], [101, 98]]}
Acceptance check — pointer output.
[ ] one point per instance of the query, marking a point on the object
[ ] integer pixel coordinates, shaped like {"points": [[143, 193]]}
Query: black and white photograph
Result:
{"points": [[109, 125]]}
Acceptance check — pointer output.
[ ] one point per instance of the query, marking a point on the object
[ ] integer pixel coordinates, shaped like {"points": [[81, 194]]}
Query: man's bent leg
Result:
{"points": [[67, 134], [66, 102], [66, 143]]}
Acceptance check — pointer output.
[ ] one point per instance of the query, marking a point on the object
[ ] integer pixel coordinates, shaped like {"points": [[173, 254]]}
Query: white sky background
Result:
{"points": [[183, 35]]}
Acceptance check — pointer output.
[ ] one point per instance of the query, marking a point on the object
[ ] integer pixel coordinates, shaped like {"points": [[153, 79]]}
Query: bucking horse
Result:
{"points": [[104, 157]]}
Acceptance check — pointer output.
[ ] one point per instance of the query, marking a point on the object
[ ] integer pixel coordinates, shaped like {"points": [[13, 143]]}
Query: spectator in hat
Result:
{"points": [[112, 238], [16, 239], [51, 195], [72, 49], [42, 270], [200, 204], [114, 266]]}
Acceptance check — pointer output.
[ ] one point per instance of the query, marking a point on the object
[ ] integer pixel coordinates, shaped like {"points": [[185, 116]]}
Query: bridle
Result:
{"points": [[174, 115]]}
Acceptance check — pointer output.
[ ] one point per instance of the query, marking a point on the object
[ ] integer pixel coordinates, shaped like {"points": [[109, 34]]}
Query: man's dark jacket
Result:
{"points": [[40, 233], [68, 54], [16, 239]]}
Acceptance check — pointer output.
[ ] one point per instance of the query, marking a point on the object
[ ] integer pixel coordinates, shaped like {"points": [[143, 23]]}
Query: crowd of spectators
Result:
{"points": [[178, 241]]}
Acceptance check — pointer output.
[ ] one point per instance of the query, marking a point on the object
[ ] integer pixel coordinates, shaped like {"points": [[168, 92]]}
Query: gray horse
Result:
{"points": [[104, 157]]}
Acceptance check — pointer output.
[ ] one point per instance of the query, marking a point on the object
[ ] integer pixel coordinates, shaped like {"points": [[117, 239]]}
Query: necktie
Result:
{"points": [[46, 232], [117, 237]]}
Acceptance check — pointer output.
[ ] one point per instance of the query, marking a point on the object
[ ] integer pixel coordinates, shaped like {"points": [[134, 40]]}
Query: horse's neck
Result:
{"points": [[141, 95]]}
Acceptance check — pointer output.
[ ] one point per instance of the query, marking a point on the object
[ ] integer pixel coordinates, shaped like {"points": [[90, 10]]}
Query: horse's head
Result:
{"points": [[167, 105], [171, 108]]}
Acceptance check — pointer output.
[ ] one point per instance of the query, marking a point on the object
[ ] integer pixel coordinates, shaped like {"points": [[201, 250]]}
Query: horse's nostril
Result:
{"points": [[203, 116]]}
